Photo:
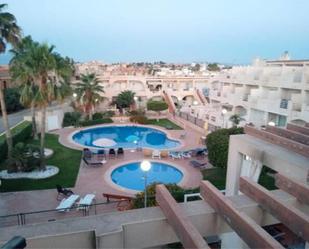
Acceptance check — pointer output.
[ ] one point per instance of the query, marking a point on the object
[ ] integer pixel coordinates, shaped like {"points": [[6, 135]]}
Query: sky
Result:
{"points": [[225, 31]]}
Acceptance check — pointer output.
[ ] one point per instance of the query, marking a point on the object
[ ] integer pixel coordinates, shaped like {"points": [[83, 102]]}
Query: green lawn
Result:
{"points": [[67, 160], [216, 176], [16, 129], [164, 122]]}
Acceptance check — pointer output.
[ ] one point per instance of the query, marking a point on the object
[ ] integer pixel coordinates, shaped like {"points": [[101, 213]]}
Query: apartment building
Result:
{"points": [[266, 92]]}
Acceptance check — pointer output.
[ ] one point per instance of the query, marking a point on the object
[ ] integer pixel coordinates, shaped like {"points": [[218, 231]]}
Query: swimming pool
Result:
{"points": [[132, 177], [124, 136]]}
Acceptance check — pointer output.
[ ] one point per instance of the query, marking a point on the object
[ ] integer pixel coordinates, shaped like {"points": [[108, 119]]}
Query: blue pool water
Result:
{"points": [[147, 137], [132, 177]]}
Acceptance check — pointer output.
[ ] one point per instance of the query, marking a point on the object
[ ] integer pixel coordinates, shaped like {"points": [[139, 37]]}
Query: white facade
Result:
{"points": [[266, 91]]}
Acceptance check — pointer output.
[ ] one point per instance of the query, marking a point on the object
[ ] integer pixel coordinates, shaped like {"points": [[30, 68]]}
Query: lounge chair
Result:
{"points": [[112, 153], [175, 155], [85, 202], [156, 154], [197, 164], [67, 204], [120, 152], [87, 153], [147, 152], [63, 191], [101, 154], [94, 162], [186, 154]]}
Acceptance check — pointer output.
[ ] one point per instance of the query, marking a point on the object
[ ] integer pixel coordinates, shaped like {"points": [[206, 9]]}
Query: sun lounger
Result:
{"points": [[94, 162], [175, 155], [156, 154], [197, 164], [67, 203], [86, 201], [185, 154]]}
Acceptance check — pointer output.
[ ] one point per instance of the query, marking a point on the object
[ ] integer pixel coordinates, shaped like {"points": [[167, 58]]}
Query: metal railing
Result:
{"points": [[49, 215]]}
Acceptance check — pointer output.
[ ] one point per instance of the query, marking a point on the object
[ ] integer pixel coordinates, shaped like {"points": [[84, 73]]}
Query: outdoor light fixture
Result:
{"points": [[271, 123], [135, 98], [195, 102], [74, 95], [224, 111], [145, 166]]}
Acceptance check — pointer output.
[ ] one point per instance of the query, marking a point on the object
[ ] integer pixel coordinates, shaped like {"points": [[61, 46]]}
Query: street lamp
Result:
{"points": [[74, 95], [224, 111], [145, 166]]}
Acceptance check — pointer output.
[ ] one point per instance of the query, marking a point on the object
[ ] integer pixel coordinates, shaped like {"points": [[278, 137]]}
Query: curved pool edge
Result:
{"points": [[108, 175], [81, 147]]}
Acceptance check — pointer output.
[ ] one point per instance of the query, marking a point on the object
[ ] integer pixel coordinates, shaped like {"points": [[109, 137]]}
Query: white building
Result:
{"points": [[267, 91]]}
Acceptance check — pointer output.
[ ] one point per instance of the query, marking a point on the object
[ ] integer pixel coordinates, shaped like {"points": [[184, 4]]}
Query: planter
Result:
{"points": [[36, 174]]}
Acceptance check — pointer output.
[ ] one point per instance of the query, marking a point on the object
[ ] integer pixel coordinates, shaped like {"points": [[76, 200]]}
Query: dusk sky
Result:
{"points": [[170, 30]]}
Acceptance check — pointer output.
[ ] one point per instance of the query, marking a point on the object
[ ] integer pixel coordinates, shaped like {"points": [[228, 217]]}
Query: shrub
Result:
{"points": [[23, 158], [11, 98], [176, 191], [20, 133], [71, 118], [156, 106], [96, 122], [218, 144], [97, 115], [139, 119], [108, 114]]}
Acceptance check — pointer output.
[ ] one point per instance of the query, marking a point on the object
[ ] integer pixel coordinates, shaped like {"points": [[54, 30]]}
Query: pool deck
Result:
{"points": [[93, 180]]}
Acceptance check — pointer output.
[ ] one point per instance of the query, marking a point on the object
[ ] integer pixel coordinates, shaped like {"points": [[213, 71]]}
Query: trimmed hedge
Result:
{"points": [[20, 133], [96, 122], [218, 144], [71, 119]]}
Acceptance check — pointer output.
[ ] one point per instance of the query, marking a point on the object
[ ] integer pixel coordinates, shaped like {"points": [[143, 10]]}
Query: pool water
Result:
{"points": [[146, 137], [132, 177]]}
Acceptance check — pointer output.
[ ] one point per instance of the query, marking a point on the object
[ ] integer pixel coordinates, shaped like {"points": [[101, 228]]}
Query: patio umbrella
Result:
{"points": [[132, 138], [104, 142]]}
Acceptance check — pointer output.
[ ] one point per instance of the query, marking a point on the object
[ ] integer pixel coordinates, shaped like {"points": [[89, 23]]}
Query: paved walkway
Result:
{"points": [[14, 118], [92, 180]]}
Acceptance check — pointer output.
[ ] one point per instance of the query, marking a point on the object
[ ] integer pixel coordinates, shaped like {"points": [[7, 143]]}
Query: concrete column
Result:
{"points": [[234, 165]]}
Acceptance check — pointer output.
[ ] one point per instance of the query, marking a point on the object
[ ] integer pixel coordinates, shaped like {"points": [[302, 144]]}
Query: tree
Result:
{"points": [[213, 67], [235, 119], [89, 92], [22, 73], [156, 106], [125, 99], [10, 33], [49, 73], [11, 98], [217, 144]]}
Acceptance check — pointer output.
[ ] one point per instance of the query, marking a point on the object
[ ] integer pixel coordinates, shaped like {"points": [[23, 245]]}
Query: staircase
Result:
{"points": [[201, 97], [170, 102]]}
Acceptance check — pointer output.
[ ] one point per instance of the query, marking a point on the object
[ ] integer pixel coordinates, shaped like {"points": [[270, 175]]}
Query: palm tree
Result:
{"points": [[22, 73], [10, 33], [125, 99], [235, 119], [49, 73], [89, 92]]}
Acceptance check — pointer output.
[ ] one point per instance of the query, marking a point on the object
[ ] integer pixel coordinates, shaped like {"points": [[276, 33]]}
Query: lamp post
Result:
{"points": [[224, 111], [136, 102], [145, 166]]}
